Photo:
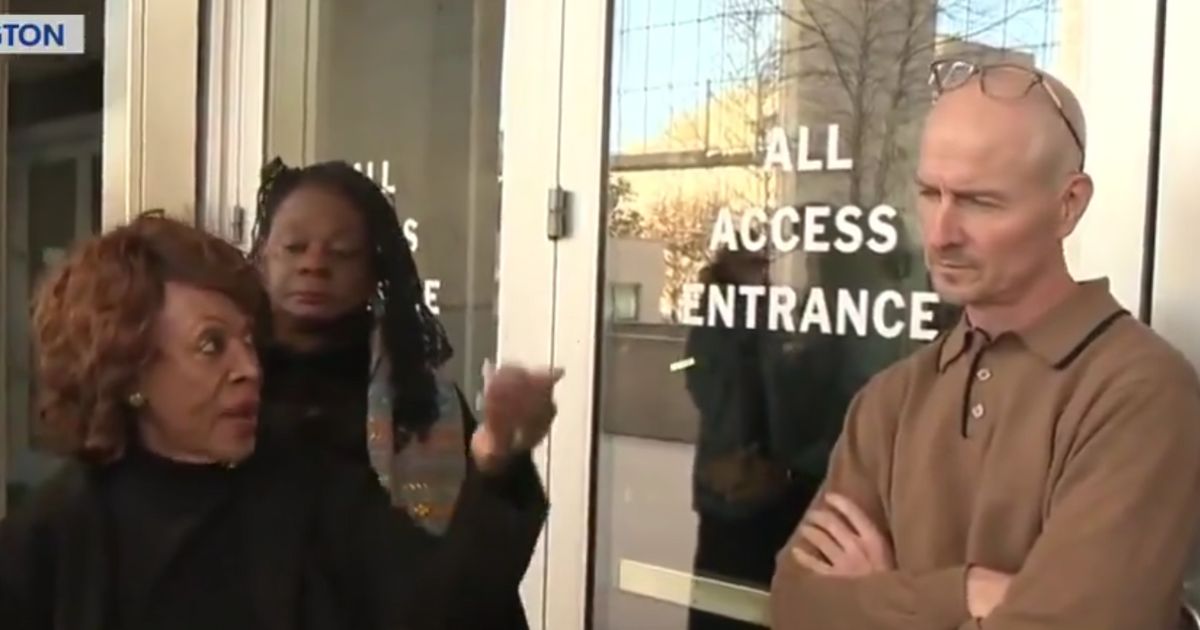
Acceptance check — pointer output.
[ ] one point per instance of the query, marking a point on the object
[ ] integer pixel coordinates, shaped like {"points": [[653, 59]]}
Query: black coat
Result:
{"points": [[320, 399], [326, 549]]}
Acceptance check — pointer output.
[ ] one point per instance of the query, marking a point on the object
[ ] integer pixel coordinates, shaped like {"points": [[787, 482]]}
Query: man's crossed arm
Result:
{"points": [[1122, 519], [840, 541]]}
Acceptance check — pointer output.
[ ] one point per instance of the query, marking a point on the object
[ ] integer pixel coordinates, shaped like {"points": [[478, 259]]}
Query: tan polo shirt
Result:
{"points": [[1067, 454]]}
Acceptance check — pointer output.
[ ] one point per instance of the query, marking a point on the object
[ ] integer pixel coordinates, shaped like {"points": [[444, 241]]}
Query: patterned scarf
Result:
{"points": [[422, 474]]}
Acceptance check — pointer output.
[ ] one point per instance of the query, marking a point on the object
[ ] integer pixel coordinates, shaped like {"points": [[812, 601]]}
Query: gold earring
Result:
{"points": [[137, 400]]}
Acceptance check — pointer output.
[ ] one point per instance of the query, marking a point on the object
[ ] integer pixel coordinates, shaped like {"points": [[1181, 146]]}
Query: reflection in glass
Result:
{"points": [[761, 154], [625, 299]]}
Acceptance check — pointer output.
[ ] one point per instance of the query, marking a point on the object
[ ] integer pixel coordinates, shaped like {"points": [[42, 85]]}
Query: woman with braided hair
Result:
{"points": [[350, 363]]}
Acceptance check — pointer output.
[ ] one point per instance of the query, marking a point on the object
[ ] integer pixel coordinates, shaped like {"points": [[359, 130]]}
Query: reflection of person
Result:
{"points": [[175, 511], [769, 412], [346, 296], [1034, 468]]}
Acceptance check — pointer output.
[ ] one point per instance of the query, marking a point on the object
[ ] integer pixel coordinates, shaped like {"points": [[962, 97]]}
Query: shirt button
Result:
{"points": [[977, 411], [983, 374]]}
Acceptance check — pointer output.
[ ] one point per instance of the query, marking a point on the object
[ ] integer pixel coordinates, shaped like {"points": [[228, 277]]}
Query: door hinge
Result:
{"points": [[558, 202]]}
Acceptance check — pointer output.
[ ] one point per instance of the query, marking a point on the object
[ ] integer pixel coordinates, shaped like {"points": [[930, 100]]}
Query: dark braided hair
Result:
{"points": [[414, 339]]}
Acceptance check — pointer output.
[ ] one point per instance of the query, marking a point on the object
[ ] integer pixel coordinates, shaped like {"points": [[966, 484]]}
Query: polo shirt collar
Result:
{"points": [[1057, 337]]}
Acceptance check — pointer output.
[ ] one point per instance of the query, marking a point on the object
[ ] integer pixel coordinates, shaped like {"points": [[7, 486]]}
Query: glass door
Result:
{"points": [[715, 350], [411, 95], [452, 108], [89, 140], [408, 92]]}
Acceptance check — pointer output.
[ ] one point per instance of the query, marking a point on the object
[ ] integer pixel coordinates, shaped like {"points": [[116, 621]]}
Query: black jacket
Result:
{"points": [[326, 551], [320, 399]]}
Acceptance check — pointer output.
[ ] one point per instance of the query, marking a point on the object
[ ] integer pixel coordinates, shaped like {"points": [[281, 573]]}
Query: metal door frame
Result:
{"points": [[1173, 286]]}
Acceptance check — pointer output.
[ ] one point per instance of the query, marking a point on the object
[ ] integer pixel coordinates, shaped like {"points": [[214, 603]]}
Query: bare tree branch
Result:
{"points": [[834, 54], [860, 64]]}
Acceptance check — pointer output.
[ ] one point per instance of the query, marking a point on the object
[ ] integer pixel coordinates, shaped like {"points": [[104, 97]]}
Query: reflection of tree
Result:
{"points": [[865, 65], [681, 224], [623, 221], [862, 64]]}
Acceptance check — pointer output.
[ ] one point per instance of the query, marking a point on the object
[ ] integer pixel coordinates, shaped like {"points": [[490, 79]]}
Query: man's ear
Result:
{"points": [[1076, 197]]}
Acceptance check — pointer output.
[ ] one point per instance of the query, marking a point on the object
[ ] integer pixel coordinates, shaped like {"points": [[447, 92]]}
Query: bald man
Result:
{"points": [[1038, 466]]}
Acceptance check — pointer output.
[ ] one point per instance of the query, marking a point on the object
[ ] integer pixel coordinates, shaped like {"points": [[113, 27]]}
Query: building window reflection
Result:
{"points": [[625, 299]]}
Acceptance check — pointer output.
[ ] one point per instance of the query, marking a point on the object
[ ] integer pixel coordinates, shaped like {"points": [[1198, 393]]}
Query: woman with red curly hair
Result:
{"points": [[175, 511]]}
